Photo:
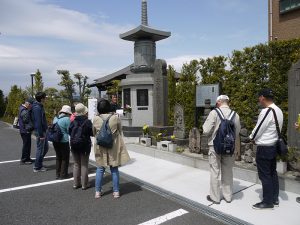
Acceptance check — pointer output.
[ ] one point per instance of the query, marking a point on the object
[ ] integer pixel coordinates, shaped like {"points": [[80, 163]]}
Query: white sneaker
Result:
{"points": [[43, 169]]}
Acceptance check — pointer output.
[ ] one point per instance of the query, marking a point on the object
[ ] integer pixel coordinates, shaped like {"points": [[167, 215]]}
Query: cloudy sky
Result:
{"points": [[82, 36]]}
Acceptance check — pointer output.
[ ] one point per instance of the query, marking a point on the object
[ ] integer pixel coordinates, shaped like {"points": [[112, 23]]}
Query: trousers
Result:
{"points": [[221, 176], [62, 150], [266, 168]]}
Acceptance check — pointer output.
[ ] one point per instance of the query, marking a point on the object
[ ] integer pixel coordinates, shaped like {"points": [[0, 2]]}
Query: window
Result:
{"points": [[126, 100], [142, 97], [288, 5]]}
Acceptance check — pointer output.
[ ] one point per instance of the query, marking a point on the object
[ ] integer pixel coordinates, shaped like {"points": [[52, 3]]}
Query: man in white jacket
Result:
{"points": [[220, 165], [265, 137]]}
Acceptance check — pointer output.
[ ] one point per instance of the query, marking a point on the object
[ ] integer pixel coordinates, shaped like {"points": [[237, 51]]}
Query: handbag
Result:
{"points": [[281, 144]]}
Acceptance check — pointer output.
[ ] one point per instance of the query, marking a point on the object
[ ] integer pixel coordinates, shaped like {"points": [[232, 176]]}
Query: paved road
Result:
{"points": [[55, 202]]}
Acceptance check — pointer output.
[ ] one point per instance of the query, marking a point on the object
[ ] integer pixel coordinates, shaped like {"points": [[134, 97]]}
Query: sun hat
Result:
{"points": [[66, 109], [80, 109], [222, 97]]}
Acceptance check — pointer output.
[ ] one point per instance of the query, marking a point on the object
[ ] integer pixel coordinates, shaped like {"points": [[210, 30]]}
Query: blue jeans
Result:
{"points": [[41, 150], [99, 178], [266, 167]]}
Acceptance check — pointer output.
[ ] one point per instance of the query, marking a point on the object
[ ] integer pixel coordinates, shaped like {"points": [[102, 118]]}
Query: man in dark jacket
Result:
{"points": [[40, 128], [26, 128]]}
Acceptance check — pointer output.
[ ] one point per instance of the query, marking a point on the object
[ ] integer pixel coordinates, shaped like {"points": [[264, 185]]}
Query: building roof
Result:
{"points": [[145, 32], [118, 75]]}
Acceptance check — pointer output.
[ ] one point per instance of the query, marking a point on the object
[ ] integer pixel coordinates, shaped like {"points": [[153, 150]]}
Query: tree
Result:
{"points": [[54, 103], [186, 92], [68, 84], [38, 82], [171, 94], [2, 104], [15, 98], [82, 84]]}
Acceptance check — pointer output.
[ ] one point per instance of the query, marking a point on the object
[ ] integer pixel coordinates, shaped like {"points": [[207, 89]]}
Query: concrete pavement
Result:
{"points": [[193, 184]]}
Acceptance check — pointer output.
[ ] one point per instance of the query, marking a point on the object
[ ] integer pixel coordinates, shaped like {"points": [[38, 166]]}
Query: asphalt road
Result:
{"points": [[57, 203]]}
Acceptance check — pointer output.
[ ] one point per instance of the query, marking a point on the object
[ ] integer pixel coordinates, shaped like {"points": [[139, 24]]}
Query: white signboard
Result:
{"points": [[207, 91], [92, 106]]}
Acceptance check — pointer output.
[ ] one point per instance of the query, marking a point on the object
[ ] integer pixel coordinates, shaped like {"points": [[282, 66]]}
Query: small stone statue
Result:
{"points": [[194, 140]]}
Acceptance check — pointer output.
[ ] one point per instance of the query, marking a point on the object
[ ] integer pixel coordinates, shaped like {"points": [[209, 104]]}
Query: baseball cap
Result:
{"points": [[266, 92], [222, 97]]}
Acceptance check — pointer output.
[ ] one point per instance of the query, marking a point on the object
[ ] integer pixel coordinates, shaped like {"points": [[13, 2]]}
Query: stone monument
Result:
{"points": [[146, 88], [204, 138], [179, 127], [194, 141], [293, 105]]}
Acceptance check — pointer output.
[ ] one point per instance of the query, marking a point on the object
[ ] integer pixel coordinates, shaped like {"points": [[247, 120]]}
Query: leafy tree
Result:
{"points": [[171, 94], [186, 91], [54, 103], [38, 82], [68, 84], [2, 104], [213, 70], [82, 84], [15, 98]]}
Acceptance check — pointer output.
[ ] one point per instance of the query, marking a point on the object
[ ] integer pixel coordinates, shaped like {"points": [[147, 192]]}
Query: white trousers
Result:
{"points": [[221, 177]]}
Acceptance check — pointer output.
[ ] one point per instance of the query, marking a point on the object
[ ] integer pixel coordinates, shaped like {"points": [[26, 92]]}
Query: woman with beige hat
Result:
{"points": [[62, 148], [80, 132]]}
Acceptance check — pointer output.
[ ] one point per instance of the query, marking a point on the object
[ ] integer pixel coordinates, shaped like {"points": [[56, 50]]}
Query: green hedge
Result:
{"points": [[241, 75]]}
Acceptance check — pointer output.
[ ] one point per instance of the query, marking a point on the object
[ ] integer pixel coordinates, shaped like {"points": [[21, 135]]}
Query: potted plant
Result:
{"points": [[145, 140], [172, 145], [158, 138], [145, 130]]}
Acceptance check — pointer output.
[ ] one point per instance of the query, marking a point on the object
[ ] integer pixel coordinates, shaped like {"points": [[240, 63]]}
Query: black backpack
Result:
{"points": [[104, 136], [224, 142], [54, 133], [77, 138]]}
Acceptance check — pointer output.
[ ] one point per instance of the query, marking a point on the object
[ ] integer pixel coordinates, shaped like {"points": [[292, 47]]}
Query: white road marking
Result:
{"points": [[18, 160], [39, 184], [164, 218]]}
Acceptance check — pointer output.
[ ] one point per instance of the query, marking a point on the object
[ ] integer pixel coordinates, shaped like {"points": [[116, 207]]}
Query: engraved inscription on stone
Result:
{"points": [[179, 128]]}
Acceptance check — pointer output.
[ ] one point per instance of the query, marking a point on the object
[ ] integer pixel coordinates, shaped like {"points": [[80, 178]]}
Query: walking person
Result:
{"points": [[26, 128], [265, 137], [40, 129], [221, 175], [62, 148], [81, 130], [109, 157]]}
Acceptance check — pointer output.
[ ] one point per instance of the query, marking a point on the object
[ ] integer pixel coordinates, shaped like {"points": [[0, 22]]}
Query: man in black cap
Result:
{"points": [[265, 137], [26, 128]]}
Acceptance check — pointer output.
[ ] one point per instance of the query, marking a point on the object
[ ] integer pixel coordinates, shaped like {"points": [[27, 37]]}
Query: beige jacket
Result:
{"points": [[213, 122], [118, 154]]}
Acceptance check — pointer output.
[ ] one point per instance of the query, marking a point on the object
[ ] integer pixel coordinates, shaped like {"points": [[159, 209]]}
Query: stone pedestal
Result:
{"points": [[145, 141]]}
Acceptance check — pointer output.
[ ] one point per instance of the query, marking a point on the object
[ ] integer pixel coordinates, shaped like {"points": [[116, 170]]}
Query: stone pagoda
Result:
{"points": [[145, 89]]}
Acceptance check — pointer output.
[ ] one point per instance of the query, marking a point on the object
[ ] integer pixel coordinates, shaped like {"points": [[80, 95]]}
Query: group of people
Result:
{"points": [[264, 135], [77, 131]]}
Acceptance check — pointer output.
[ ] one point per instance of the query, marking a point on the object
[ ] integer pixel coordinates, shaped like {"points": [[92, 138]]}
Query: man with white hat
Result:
{"points": [[220, 165], [62, 148]]}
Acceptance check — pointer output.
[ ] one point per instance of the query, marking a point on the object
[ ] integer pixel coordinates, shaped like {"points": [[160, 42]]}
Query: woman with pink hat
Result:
{"points": [[62, 148]]}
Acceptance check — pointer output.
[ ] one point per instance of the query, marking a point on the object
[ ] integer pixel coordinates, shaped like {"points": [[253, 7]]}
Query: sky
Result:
{"points": [[82, 36]]}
